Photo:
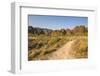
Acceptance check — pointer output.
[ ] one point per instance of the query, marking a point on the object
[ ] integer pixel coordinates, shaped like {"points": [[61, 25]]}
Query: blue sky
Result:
{"points": [[56, 22]]}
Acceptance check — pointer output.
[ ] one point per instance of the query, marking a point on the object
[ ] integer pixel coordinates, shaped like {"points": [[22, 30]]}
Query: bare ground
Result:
{"points": [[64, 52]]}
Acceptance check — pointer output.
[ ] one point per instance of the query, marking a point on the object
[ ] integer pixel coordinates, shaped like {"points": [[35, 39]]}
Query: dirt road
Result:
{"points": [[64, 52]]}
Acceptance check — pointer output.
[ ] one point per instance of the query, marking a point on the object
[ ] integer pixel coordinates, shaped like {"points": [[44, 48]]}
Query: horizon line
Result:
{"points": [[72, 27]]}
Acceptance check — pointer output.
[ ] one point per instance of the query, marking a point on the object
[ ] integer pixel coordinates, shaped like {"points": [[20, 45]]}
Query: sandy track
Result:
{"points": [[64, 52]]}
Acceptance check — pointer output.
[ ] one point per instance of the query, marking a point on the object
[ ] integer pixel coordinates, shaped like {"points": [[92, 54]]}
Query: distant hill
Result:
{"points": [[76, 30], [37, 30]]}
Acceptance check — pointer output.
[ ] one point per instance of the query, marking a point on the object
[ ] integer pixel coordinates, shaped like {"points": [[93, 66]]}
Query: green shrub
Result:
{"points": [[53, 40]]}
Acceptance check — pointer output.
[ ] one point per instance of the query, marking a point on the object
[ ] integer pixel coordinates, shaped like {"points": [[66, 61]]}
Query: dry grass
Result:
{"points": [[43, 46]]}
